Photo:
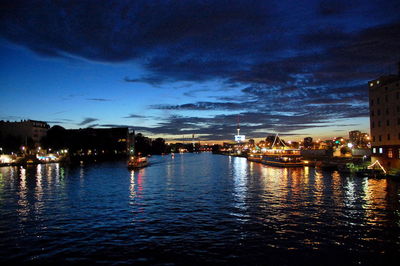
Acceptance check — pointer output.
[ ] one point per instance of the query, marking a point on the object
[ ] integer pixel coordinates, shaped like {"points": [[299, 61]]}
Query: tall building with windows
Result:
{"points": [[358, 139], [355, 137], [384, 104]]}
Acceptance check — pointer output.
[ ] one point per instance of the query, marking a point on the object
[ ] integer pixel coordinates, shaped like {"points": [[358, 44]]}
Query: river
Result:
{"points": [[196, 209]]}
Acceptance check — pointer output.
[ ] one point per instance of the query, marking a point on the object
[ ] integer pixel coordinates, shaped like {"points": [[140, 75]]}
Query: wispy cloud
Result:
{"points": [[87, 120], [99, 99], [134, 116]]}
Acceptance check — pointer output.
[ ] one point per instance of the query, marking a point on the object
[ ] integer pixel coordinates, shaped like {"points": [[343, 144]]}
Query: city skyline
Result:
{"points": [[169, 69]]}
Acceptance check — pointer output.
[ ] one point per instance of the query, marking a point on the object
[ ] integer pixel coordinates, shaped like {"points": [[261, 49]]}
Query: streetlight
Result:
{"points": [[350, 145]]}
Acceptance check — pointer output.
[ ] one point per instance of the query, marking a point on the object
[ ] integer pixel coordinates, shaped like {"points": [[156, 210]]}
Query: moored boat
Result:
{"points": [[282, 158], [254, 157], [278, 157]]}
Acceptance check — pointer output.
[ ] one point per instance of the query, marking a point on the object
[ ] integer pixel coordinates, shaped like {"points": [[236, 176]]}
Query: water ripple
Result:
{"points": [[196, 208]]}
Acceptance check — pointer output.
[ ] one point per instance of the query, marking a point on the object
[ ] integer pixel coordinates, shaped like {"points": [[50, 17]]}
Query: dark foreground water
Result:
{"points": [[196, 209]]}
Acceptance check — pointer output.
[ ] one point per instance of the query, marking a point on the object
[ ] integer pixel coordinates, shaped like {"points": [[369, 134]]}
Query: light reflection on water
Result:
{"points": [[240, 175], [22, 199], [213, 208]]}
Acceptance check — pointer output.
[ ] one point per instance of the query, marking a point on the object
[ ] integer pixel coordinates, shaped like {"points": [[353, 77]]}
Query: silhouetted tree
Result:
{"points": [[142, 144], [158, 146], [56, 138]]}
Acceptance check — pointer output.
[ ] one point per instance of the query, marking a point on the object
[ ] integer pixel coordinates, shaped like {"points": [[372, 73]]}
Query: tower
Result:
{"points": [[238, 126], [239, 138]]}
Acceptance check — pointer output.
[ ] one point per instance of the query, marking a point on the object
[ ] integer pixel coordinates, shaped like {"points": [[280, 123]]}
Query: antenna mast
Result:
{"points": [[238, 125]]}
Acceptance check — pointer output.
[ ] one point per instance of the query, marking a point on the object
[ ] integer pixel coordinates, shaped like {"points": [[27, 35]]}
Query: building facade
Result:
{"points": [[355, 137], [358, 139], [384, 103], [22, 132]]}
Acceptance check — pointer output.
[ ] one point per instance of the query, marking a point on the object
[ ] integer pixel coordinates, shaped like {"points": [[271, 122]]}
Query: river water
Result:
{"points": [[196, 209]]}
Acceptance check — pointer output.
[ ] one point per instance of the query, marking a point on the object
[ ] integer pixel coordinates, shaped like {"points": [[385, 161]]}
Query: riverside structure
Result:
{"points": [[384, 103]]}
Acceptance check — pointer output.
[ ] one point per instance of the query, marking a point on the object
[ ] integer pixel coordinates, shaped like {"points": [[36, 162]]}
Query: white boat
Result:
{"points": [[284, 157]]}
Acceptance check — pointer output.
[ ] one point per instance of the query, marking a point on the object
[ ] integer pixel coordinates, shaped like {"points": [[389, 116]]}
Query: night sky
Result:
{"points": [[174, 68]]}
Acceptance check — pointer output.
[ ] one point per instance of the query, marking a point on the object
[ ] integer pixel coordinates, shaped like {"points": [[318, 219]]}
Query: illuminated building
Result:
{"points": [[384, 103]]}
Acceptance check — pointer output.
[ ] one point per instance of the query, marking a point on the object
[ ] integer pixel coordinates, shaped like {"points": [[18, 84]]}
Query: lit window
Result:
{"points": [[380, 150], [390, 153], [373, 150], [377, 82], [371, 84]]}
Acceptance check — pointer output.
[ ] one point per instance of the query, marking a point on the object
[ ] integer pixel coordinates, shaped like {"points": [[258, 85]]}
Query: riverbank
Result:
{"points": [[65, 159], [355, 166]]}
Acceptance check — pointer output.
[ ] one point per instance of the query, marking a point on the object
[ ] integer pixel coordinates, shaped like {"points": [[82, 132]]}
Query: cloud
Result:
{"points": [[192, 93], [203, 106], [98, 99], [134, 116], [333, 8], [152, 80], [87, 120], [92, 125], [53, 122], [290, 66]]}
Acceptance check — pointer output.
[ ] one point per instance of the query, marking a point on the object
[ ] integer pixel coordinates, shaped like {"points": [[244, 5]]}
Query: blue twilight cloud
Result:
{"points": [[298, 65]]}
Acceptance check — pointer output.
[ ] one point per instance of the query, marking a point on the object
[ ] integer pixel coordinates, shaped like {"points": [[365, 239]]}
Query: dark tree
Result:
{"points": [[56, 138], [158, 146], [142, 144]]}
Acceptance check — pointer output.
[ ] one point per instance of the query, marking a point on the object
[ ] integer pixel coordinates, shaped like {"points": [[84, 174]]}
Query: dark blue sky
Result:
{"points": [[173, 68]]}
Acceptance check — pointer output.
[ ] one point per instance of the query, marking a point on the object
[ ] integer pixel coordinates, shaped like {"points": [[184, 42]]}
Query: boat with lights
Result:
{"points": [[136, 162], [278, 157], [283, 157]]}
